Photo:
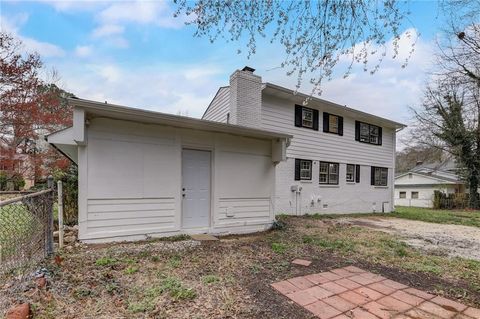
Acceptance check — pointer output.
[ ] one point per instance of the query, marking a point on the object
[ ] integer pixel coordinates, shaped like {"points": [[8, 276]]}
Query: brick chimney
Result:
{"points": [[245, 98]]}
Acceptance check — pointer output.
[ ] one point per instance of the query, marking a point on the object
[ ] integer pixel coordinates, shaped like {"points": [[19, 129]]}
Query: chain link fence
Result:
{"points": [[26, 231]]}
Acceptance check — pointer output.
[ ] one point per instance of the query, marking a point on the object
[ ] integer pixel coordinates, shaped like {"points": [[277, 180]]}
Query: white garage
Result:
{"points": [[143, 173]]}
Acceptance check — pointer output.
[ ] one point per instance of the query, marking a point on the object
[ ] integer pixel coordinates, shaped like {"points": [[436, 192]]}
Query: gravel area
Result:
{"points": [[453, 240]]}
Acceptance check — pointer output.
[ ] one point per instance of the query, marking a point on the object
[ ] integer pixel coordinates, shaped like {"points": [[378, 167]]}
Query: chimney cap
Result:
{"points": [[248, 69]]}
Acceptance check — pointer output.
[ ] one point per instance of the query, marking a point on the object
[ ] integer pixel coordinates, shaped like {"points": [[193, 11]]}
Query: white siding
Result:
{"points": [[278, 115], [219, 107], [323, 199], [130, 185]]}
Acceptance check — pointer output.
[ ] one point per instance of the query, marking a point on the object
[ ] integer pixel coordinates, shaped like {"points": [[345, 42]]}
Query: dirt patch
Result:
{"points": [[453, 240], [228, 278]]}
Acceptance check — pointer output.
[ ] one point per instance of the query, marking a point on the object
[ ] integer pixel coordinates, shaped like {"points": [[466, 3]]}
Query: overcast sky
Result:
{"points": [[135, 53]]}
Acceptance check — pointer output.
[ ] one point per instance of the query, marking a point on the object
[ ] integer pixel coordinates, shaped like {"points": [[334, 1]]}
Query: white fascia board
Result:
{"points": [[79, 132]]}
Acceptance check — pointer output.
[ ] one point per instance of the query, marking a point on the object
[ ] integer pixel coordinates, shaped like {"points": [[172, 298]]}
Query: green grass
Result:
{"points": [[467, 218], [106, 261], [279, 248], [209, 279], [439, 216], [17, 224]]}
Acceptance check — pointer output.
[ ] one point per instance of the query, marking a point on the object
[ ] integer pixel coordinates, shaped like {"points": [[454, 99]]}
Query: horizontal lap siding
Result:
{"points": [[219, 106], [278, 115], [253, 210], [136, 215]]}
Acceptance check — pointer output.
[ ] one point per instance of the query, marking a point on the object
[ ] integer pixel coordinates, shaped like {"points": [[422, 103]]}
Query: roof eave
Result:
{"points": [[122, 112], [393, 124]]}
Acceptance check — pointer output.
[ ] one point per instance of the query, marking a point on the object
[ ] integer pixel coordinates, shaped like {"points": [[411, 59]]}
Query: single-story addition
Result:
{"points": [[416, 187], [144, 173]]}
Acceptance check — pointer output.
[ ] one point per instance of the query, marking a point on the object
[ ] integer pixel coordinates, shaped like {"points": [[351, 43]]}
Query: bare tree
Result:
{"points": [[450, 114], [315, 35]]}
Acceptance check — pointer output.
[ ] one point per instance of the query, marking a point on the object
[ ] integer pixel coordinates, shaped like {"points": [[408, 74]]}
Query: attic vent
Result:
{"points": [[248, 69]]}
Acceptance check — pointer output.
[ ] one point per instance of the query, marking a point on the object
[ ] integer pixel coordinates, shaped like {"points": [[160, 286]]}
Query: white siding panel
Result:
{"points": [[278, 115], [116, 216], [219, 107], [246, 211]]}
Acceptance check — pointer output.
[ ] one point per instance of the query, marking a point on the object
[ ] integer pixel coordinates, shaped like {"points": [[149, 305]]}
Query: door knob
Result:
{"points": [[183, 189]]}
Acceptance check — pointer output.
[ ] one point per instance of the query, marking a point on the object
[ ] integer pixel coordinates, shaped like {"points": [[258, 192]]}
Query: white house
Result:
{"points": [[417, 186], [340, 160], [144, 173]]}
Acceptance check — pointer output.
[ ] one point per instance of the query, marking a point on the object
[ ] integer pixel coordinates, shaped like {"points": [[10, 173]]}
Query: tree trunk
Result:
{"points": [[473, 201]]}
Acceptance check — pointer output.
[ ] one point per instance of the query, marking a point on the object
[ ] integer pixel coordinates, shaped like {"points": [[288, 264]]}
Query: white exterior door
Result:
{"points": [[196, 167]]}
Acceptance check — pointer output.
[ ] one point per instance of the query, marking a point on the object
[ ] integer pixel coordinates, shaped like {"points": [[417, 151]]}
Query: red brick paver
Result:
{"points": [[302, 262], [353, 293]]}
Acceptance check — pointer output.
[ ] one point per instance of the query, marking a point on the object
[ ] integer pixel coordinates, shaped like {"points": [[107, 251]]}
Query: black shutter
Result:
{"points": [[315, 120], [357, 131], [379, 136], [297, 169], [357, 173], [340, 126], [326, 127], [298, 115], [372, 177]]}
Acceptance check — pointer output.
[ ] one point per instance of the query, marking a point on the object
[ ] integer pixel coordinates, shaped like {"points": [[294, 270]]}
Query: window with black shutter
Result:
{"points": [[306, 117], [332, 123], [303, 169], [379, 176], [368, 133], [353, 173]]}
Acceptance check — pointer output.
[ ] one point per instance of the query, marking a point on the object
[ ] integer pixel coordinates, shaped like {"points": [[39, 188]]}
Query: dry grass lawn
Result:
{"points": [[231, 278]]}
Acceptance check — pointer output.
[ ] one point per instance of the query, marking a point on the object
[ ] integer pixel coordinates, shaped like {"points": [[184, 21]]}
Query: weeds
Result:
{"points": [[106, 261], [279, 248], [131, 270], [208, 279], [174, 261]]}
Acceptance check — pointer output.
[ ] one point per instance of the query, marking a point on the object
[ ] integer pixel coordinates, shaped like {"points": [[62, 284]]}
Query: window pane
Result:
{"points": [[350, 176], [364, 132], [414, 195], [333, 123], [307, 117], [333, 179], [403, 194], [323, 167], [305, 170], [333, 176], [323, 178], [333, 168]]}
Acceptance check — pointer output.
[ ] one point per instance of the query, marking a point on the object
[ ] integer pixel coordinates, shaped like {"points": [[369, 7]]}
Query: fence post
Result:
{"points": [[50, 217], [60, 213]]}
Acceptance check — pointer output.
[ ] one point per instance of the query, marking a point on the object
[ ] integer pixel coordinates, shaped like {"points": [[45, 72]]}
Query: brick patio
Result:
{"points": [[351, 292]]}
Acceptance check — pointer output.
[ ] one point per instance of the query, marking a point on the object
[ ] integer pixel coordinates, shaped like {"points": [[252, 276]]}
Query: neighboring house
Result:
{"points": [[417, 186], [20, 164], [144, 173], [340, 160]]}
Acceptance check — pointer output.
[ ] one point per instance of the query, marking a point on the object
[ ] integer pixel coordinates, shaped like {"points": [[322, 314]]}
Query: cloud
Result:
{"points": [[12, 25], [165, 88], [83, 51], [142, 12], [388, 93], [107, 30], [74, 5]]}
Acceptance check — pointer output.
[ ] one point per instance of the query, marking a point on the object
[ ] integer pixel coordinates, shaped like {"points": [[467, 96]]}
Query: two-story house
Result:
{"points": [[257, 152], [340, 160]]}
